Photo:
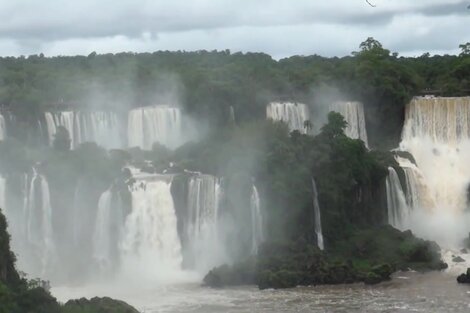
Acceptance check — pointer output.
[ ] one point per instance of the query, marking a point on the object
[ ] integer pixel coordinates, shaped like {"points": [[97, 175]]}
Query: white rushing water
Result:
{"points": [[257, 235], [437, 134], [150, 246], [294, 114], [206, 246], [88, 126], [353, 113], [161, 123], [398, 209], [317, 215], [39, 255], [3, 130], [102, 237]]}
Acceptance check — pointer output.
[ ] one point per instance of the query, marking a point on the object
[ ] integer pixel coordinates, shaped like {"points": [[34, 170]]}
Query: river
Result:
{"points": [[406, 292]]}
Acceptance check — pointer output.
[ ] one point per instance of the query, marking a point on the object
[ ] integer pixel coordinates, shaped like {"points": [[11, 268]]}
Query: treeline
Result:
{"points": [[209, 83]]}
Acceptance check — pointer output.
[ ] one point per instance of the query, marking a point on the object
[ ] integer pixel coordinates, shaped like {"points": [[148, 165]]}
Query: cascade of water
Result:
{"points": [[398, 209], [2, 128], [353, 113], [437, 133], [65, 119], [162, 124], [256, 221], [293, 114], [38, 221], [102, 249], [96, 126], [205, 242], [317, 216], [150, 244]]}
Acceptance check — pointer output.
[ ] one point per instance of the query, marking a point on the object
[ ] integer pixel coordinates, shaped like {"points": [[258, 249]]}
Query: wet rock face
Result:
{"points": [[464, 278]]}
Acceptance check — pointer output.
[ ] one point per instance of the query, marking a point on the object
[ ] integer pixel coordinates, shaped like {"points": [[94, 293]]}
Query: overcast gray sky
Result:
{"points": [[278, 27]]}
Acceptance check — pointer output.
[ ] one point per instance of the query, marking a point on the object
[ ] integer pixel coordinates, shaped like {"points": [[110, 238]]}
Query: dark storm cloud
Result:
{"points": [[69, 27]]}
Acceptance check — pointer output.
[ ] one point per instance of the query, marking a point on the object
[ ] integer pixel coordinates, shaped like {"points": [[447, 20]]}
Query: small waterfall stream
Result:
{"points": [[256, 221], [317, 216]]}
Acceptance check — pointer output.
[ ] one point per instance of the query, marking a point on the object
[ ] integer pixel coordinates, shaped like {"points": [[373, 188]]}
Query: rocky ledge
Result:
{"points": [[464, 278]]}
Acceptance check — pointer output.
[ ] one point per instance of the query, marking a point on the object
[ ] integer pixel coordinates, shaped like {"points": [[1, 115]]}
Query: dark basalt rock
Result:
{"points": [[464, 251], [458, 259], [464, 278]]}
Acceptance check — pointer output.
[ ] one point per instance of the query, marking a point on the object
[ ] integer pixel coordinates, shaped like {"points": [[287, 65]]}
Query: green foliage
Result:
{"points": [[97, 305], [335, 126], [208, 83]]}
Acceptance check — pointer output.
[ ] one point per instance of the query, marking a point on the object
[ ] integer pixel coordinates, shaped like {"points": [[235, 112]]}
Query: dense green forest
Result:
{"points": [[208, 83]]}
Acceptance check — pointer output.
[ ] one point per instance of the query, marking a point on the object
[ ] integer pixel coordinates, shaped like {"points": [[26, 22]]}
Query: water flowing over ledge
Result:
{"points": [[353, 113], [437, 134], [292, 113]]}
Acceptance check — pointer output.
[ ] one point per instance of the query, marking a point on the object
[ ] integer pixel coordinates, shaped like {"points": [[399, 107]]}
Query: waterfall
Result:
{"points": [[38, 220], [150, 244], [2, 128], [102, 249], [437, 133], [256, 221], [65, 119], [398, 209], [293, 114], [100, 127], [353, 113], [162, 124], [205, 240], [317, 216]]}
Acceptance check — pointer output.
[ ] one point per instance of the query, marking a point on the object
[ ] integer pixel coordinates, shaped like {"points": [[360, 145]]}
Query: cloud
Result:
{"points": [[278, 27]]}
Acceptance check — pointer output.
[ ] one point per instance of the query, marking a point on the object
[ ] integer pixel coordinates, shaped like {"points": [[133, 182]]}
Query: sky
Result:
{"points": [[280, 28]]}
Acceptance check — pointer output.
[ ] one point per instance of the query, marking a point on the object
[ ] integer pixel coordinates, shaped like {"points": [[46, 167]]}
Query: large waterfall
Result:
{"points": [[150, 244], [437, 134], [205, 242], [353, 113], [317, 216], [162, 124], [38, 228], [2, 127], [102, 237], [94, 126], [292, 113]]}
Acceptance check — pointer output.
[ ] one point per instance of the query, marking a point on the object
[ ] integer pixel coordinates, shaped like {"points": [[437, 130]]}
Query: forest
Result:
{"points": [[208, 83]]}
